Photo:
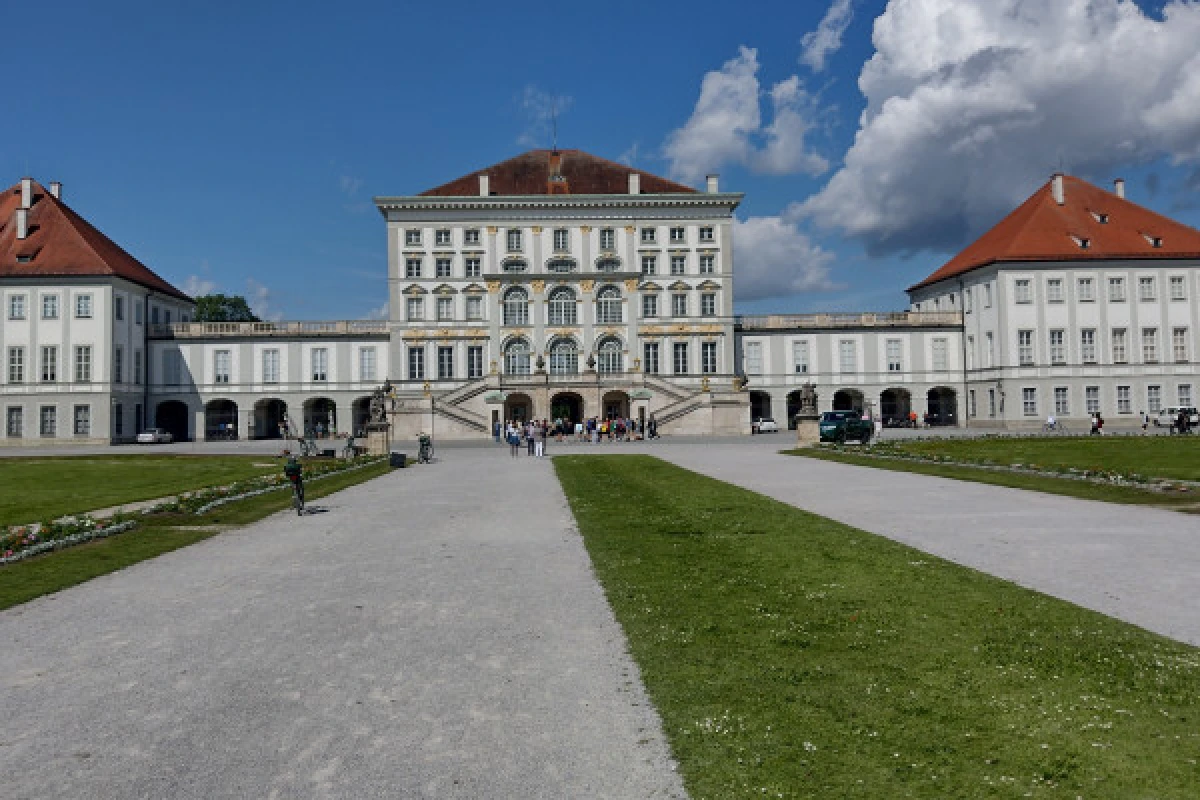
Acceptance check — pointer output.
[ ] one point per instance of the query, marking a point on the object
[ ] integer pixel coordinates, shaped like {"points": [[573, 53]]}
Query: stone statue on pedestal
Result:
{"points": [[808, 431]]}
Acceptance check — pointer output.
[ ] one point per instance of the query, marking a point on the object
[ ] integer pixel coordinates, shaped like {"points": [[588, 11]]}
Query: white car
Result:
{"points": [[766, 425], [155, 436]]}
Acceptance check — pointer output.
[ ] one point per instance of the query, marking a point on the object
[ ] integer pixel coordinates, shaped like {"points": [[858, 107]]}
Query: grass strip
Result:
{"points": [[1128, 495], [792, 656], [155, 535]]}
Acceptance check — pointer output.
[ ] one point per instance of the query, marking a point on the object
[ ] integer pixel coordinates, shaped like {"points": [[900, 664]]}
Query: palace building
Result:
{"points": [[561, 285]]}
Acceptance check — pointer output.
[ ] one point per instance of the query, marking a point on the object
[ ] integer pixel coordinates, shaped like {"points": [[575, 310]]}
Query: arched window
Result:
{"points": [[608, 264], [516, 357], [561, 265], [562, 307], [564, 357], [515, 265], [610, 356], [516, 307], [608, 306]]}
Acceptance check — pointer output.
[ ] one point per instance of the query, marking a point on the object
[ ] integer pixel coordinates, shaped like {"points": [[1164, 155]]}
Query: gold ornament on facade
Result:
{"points": [[630, 229], [704, 384], [493, 287], [585, 228], [586, 285], [493, 368], [537, 229], [631, 284], [538, 286], [492, 229]]}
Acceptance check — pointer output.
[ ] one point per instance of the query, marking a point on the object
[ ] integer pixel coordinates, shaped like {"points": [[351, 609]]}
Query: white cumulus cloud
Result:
{"points": [[971, 104], [726, 125], [776, 258], [541, 110], [827, 38], [258, 297]]}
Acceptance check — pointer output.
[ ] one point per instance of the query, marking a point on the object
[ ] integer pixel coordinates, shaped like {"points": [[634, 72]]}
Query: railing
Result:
{"points": [[884, 319], [203, 330]]}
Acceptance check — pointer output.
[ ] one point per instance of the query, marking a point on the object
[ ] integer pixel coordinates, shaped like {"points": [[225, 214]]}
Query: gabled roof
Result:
{"points": [[1092, 224], [64, 244], [556, 172]]}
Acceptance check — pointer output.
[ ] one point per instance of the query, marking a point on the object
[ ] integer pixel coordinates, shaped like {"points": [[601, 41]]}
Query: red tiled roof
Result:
{"points": [[63, 244], [578, 173], [1042, 230]]}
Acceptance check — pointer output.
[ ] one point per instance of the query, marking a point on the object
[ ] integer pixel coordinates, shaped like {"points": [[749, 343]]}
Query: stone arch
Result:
{"points": [[562, 306], [320, 416], [172, 416], [270, 414], [517, 352], [220, 419], [895, 404], [848, 400], [942, 405]]}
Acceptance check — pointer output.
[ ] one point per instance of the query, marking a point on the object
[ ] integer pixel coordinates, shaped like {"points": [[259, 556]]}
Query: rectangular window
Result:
{"points": [[681, 358], [138, 418], [475, 361], [445, 363], [706, 234], [987, 295], [270, 366], [1087, 345], [137, 367], [416, 363], [1146, 289], [412, 237], [1184, 393], [1022, 292], [989, 351], [940, 355], [972, 410], [471, 236], [1116, 290], [320, 364], [1178, 288], [1062, 403], [678, 235], [442, 267], [412, 268], [678, 265], [172, 367], [222, 365], [474, 307], [708, 358], [49, 306], [970, 352], [800, 357], [649, 265], [1179, 345], [441, 237], [847, 356], [650, 357], [1118, 346], [366, 364], [166, 317], [15, 422], [415, 308], [1150, 345], [894, 363], [1086, 290], [1029, 402], [48, 421], [118, 365], [1091, 397], [49, 364], [445, 308], [562, 239], [708, 305], [473, 267], [1025, 348], [83, 363], [648, 235], [608, 239], [1154, 399], [707, 263], [679, 305], [649, 305], [514, 240], [16, 365], [16, 306], [1054, 290], [137, 314], [1124, 400], [154, 315], [968, 296], [991, 402], [1058, 349], [83, 420], [83, 306], [753, 358]]}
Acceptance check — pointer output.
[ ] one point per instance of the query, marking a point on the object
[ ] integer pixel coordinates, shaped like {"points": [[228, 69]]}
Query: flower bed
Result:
{"points": [[26, 541]]}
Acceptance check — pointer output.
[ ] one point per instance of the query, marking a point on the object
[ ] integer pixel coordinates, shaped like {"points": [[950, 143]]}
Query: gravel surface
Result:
{"points": [[435, 633]]}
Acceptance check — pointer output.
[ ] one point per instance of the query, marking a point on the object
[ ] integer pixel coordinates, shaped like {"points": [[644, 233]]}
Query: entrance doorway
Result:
{"points": [[566, 406], [269, 416], [847, 400], [894, 407], [220, 420], [320, 417], [616, 405], [519, 407], [760, 406], [943, 406], [172, 417]]}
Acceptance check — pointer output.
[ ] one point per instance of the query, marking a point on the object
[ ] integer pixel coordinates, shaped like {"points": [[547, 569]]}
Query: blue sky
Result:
{"points": [[236, 147]]}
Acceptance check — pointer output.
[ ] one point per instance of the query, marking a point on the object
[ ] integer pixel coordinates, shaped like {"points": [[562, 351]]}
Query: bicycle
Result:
{"points": [[349, 451], [308, 447], [425, 451], [295, 474]]}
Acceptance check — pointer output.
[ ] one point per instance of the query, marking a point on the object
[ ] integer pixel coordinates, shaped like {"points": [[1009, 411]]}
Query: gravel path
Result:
{"points": [[1136, 564], [436, 633]]}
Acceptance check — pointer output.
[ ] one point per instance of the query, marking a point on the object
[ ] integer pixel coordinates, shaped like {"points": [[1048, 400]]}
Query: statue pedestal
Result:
{"points": [[379, 438], [808, 431]]}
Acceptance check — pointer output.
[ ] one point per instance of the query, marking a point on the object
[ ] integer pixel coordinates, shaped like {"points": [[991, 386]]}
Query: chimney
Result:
{"points": [[22, 223], [635, 183], [1056, 186], [1119, 188], [711, 181], [484, 186], [26, 192], [56, 190]]}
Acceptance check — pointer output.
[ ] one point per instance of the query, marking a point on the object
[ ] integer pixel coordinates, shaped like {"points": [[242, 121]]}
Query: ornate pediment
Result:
{"points": [[414, 290]]}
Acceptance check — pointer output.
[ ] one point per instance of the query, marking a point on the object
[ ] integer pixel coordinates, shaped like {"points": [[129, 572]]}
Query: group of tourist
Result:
{"points": [[533, 434]]}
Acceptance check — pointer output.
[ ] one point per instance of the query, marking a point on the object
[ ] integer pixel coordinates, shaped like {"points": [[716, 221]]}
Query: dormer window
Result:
{"points": [[24, 258], [1082, 243], [1100, 217], [1154, 241]]}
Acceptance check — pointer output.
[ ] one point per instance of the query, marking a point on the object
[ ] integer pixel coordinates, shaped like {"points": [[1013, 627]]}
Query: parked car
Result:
{"points": [[765, 425], [1168, 416], [839, 426], [155, 436]]}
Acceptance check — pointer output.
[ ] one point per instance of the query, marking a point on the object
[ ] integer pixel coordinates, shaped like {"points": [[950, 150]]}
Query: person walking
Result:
{"points": [[539, 441], [529, 445], [652, 428], [514, 441], [1145, 420]]}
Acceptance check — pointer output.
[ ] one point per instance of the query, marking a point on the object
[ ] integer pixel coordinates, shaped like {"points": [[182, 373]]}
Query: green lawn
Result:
{"points": [[40, 488], [792, 656]]}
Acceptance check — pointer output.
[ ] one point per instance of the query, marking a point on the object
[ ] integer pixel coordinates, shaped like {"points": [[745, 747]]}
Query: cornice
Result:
{"points": [[729, 200]]}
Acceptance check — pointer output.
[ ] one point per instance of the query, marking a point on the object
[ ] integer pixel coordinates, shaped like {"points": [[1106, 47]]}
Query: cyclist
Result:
{"points": [[295, 474]]}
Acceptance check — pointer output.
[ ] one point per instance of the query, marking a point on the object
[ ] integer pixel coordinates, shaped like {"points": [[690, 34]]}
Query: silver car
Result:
{"points": [[155, 436]]}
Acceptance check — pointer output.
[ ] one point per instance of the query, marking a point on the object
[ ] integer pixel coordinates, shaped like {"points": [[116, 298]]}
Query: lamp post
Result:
{"points": [[429, 393]]}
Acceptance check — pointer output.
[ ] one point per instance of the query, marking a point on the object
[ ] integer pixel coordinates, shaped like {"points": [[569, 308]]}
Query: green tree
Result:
{"points": [[223, 308]]}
